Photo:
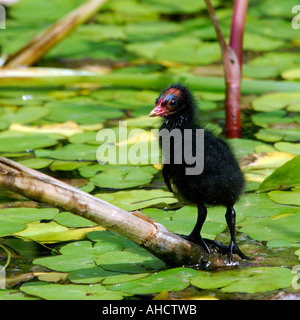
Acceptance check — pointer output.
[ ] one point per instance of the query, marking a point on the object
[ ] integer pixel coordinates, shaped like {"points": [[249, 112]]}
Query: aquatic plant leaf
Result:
{"points": [[252, 280], [266, 119], [286, 228], [54, 291], [288, 146], [137, 199], [83, 114], [25, 142], [284, 177], [36, 163], [75, 152], [124, 178], [14, 220], [78, 255], [71, 220], [286, 197], [276, 101], [171, 280]]}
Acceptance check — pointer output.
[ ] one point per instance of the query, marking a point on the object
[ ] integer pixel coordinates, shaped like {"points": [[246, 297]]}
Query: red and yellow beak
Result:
{"points": [[159, 110]]}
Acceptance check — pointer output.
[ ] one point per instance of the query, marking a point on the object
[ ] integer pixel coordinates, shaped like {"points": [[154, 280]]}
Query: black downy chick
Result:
{"points": [[221, 182]]}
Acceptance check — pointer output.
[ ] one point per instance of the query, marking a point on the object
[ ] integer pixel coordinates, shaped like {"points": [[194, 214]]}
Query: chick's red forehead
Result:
{"points": [[171, 91]]}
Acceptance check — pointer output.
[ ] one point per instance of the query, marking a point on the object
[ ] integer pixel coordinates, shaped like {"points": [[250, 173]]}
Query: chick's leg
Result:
{"points": [[195, 234], [233, 246]]}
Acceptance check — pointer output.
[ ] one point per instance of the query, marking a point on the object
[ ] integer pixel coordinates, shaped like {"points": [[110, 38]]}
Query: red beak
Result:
{"points": [[159, 110]]}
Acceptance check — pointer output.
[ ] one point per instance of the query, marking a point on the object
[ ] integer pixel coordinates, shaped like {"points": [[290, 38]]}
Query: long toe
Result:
{"points": [[238, 251], [197, 240]]}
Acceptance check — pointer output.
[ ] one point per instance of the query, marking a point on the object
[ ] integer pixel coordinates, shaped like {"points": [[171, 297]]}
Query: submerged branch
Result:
{"points": [[48, 38], [136, 226], [52, 77]]}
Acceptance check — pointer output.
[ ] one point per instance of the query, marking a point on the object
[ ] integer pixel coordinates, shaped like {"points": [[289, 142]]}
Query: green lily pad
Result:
{"points": [[293, 74], [169, 6], [28, 114], [25, 142], [58, 165], [71, 152], [275, 135], [276, 101], [92, 275], [129, 261], [286, 197], [171, 280], [284, 177], [243, 147], [10, 294], [265, 119], [83, 114], [285, 227], [15, 219], [36, 163], [262, 43], [252, 280], [54, 291], [189, 50], [25, 215], [124, 178], [71, 220], [288, 146], [78, 255], [137, 199]]}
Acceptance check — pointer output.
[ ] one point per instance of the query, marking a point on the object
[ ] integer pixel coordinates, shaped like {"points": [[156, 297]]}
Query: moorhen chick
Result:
{"points": [[221, 181]]}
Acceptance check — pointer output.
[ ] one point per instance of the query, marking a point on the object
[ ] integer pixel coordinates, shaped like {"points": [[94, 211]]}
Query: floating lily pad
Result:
{"points": [[274, 135], [124, 178], [129, 261], [262, 43], [252, 280], [76, 152], [286, 197], [285, 227], [284, 177], [171, 280], [83, 114], [15, 219], [243, 147], [92, 275], [28, 114], [71, 220], [52, 232], [293, 74], [78, 255], [265, 119], [25, 142], [276, 101], [137, 199], [10, 294], [288, 147], [67, 165], [36, 163], [53, 291]]}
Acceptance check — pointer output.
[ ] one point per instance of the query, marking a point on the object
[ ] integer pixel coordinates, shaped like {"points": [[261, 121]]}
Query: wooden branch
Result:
{"points": [[136, 226], [48, 38]]}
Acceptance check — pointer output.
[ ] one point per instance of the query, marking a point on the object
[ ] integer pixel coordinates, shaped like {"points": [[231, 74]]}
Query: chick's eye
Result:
{"points": [[172, 103]]}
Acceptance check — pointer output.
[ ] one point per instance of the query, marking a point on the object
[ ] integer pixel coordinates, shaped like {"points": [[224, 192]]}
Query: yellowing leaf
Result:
{"points": [[52, 232], [66, 129]]}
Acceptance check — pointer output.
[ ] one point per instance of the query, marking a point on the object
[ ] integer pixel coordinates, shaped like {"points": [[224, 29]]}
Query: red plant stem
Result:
{"points": [[233, 78], [238, 27], [232, 60]]}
